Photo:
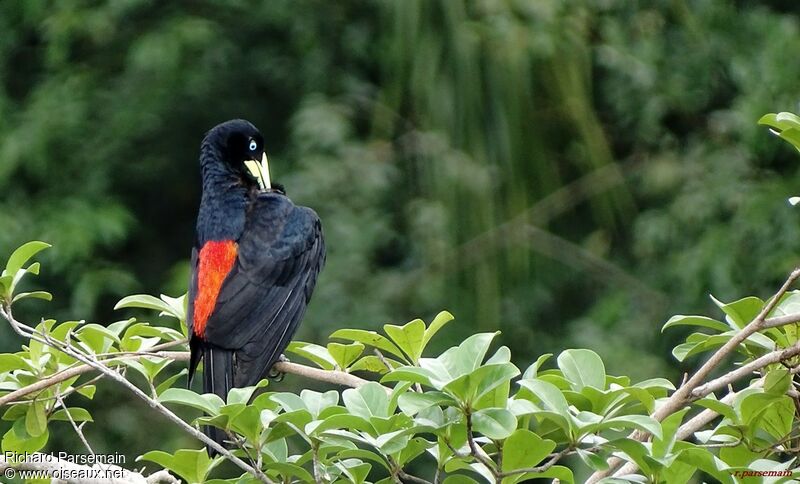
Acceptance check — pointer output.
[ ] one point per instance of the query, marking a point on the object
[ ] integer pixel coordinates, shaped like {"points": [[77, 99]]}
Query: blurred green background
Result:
{"points": [[569, 172]]}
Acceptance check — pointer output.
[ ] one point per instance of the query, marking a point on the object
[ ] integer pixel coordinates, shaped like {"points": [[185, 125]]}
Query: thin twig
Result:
{"points": [[541, 468], [77, 370], [328, 376], [315, 464], [409, 478], [78, 429], [87, 359], [476, 451], [745, 370], [684, 394]]}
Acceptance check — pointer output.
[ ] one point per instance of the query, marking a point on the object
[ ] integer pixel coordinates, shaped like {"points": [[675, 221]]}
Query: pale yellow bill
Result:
{"points": [[260, 171]]}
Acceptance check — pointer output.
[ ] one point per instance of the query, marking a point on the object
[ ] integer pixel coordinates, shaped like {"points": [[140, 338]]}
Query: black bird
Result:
{"points": [[254, 264]]}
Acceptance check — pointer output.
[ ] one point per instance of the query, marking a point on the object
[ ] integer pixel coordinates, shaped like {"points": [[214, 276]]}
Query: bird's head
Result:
{"points": [[237, 146]]}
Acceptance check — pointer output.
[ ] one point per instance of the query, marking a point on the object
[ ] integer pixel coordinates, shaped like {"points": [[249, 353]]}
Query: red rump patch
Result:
{"points": [[214, 263]]}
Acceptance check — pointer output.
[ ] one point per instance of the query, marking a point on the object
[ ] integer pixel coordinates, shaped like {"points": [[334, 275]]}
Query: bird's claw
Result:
{"points": [[275, 374]]}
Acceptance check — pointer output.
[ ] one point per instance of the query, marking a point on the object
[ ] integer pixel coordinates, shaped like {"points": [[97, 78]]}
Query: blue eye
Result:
{"points": [[253, 145]]}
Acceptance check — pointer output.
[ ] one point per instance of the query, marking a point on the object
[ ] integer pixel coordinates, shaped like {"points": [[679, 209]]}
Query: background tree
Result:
{"points": [[569, 172]]}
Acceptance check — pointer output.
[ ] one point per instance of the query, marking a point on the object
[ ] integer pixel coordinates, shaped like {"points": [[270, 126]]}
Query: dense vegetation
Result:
{"points": [[569, 172], [453, 418]]}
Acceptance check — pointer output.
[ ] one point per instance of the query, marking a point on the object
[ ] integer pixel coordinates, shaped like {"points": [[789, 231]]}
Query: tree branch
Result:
{"points": [[335, 377], [685, 393], [476, 451], [87, 359], [743, 371], [78, 370]]}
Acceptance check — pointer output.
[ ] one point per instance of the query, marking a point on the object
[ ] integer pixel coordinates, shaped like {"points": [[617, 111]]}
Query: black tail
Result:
{"points": [[218, 379]]}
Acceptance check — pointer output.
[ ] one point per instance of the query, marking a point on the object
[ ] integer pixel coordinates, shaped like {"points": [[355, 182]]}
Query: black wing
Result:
{"points": [[265, 295]]}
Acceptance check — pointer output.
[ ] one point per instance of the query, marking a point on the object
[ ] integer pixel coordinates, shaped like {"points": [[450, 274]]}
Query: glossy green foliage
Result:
{"points": [[467, 414], [552, 167]]}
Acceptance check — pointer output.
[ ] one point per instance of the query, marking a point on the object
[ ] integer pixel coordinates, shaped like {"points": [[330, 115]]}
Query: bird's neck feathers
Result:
{"points": [[224, 200], [213, 167]]}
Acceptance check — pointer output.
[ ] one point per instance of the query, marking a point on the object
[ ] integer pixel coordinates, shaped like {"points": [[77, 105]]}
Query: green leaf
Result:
{"points": [[408, 337], [792, 135], [369, 400], [18, 439], [525, 449], [364, 454], [287, 469], [459, 479], [701, 321], [61, 331], [635, 451], [471, 387], [343, 354], [370, 338], [582, 368], [707, 462], [560, 473], [177, 307], [247, 422], [316, 353], [640, 422], [549, 394], [298, 418], [697, 343], [34, 295], [462, 359], [98, 338], [243, 395], [78, 415], [36, 419], [153, 365], [393, 442], [208, 403], [777, 418], [316, 402], [23, 254], [495, 423], [343, 421], [438, 323], [740, 313], [663, 445], [374, 364], [289, 401], [721, 408], [87, 391], [5, 284], [412, 450], [118, 327], [355, 470], [592, 460], [10, 362], [778, 381], [163, 386], [16, 411], [533, 370], [412, 374], [144, 301], [412, 403], [191, 465], [738, 456]]}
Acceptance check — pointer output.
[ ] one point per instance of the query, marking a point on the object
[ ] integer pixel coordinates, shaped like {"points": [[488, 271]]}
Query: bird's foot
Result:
{"points": [[275, 374]]}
